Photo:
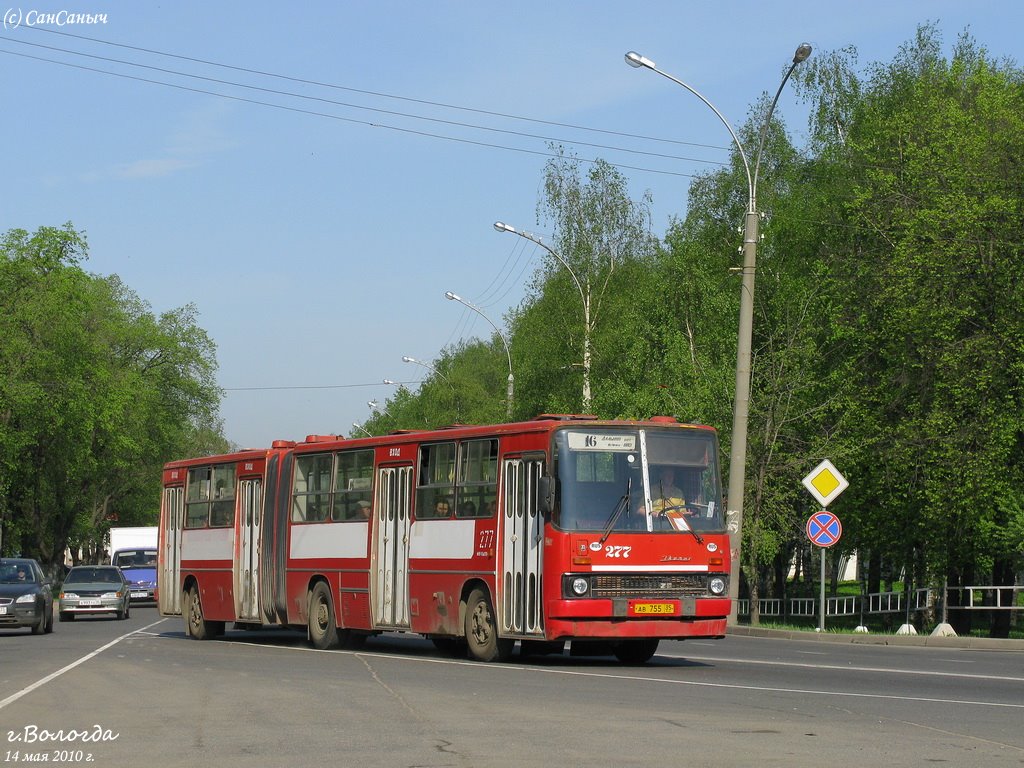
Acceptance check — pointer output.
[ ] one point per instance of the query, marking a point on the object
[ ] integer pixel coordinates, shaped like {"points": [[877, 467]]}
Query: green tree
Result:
{"points": [[925, 283], [578, 299], [96, 394]]}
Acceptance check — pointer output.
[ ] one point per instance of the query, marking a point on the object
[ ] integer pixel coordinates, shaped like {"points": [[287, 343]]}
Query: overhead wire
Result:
{"points": [[335, 86], [378, 94], [346, 105]]}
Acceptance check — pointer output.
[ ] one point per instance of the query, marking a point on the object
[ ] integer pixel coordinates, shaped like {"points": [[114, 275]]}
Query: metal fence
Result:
{"points": [[982, 598]]}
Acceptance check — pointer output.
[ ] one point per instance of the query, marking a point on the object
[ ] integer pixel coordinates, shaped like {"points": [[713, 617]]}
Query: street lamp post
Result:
{"points": [[741, 404], [510, 394], [584, 296]]}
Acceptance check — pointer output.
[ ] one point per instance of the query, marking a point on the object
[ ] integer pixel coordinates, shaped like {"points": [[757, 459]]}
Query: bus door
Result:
{"points": [[390, 585], [247, 552], [169, 576], [522, 540]]}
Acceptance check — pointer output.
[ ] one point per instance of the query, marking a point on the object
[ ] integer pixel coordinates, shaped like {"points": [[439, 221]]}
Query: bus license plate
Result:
{"points": [[653, 609]]}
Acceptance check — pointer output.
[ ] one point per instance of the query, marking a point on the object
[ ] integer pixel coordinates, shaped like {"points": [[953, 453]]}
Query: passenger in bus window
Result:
{"points": [[441, 507], [467, 509], [363, 510]]}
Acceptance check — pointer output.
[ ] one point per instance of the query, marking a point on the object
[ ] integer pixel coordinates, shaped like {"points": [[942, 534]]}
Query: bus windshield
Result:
{"points": [[656, 479]]}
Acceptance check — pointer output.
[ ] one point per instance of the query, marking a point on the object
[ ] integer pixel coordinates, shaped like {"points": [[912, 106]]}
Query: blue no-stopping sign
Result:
{"points": [[824, 529]]}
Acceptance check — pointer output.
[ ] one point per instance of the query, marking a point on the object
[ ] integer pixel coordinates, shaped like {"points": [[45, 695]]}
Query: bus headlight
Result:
{"points": [[580, 586], [717, 585]]}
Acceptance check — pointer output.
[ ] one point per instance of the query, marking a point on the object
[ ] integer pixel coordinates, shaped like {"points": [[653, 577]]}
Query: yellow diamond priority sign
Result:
{"points": [[825, 483]]}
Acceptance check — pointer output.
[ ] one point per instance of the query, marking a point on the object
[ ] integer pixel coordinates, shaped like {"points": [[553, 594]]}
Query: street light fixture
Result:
{"points": [[509, 395], [584, 296], [360, 428], [429, 367], [375, 406], [741, 404]]}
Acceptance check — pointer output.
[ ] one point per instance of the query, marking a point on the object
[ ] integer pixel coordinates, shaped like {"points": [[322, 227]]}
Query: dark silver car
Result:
{"points": [[26, 599], [94, 590]]}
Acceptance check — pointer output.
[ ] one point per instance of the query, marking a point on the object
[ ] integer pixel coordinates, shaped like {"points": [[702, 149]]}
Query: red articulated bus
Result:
{"points": [[608, 534]]}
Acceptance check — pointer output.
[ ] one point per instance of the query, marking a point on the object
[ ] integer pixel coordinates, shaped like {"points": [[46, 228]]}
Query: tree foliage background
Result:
{"points": [[96, 393]]}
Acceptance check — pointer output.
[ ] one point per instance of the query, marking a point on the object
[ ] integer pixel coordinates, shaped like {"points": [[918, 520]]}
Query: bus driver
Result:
{"points": [[667, 498]]}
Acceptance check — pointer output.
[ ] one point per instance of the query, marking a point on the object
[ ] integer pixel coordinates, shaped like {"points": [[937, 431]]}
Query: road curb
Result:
{"points": [[936, 641]]}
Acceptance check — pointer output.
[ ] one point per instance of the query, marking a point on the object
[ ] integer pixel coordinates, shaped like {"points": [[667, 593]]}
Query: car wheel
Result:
{"points": [[40, 626]]}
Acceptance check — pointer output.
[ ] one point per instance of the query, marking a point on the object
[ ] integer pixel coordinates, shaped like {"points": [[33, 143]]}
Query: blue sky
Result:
{"points": [[317, 236]]}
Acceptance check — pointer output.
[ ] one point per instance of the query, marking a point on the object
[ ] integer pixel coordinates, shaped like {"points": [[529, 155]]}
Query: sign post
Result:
{"points": [[825, 483]]}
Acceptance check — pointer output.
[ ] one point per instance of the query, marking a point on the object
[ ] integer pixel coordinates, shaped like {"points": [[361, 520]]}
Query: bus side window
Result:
{"points": [[311, 487], [353, 485], [478, 478], [435, 491]]}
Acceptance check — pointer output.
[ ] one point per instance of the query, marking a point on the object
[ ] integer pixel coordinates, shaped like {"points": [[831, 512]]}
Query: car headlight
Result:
{"points": [[717, 585], [579, 586], [29, 598], [112, 595], [70, 595]]}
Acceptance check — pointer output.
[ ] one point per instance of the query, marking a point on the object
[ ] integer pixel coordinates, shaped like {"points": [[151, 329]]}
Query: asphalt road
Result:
{"points": [[138, 693]]}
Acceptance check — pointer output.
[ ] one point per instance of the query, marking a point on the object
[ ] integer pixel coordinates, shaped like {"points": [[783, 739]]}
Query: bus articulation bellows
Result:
{"points": [[608, 534]]}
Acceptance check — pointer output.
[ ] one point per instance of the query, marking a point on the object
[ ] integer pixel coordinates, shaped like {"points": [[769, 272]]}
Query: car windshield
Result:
{"points": [[12, 572], [142, 558], [93, 576], [656, 479]]}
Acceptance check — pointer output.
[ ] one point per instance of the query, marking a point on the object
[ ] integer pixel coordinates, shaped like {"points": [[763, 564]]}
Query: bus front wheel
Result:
{"points": [[636, 651], [482, 631]]}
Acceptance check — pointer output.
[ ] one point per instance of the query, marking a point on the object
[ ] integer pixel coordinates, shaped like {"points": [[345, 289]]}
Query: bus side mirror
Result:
{"points": [[546, 494]]}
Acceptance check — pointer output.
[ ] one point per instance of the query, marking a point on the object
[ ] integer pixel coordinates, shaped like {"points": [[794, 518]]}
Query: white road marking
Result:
{"points": [[54, 675]]}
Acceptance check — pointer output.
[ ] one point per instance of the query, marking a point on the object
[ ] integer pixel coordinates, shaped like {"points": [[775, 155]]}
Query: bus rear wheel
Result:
{"points": [[482, 631], [196, 625], [323, 629], [636, 651]]}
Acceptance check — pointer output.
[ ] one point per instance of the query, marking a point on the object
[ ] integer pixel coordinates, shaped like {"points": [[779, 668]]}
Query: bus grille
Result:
{"points": [[650, 586]]}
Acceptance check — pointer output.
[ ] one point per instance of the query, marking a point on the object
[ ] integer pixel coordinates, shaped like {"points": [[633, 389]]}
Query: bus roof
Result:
{"points": [[546, 422]]}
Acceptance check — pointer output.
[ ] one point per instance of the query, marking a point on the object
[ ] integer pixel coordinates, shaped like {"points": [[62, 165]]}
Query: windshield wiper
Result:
{"points": [[617, 512]]}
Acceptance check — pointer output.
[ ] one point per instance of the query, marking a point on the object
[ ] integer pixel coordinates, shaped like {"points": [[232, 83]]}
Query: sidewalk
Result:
{"points": [[976, 643]]}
